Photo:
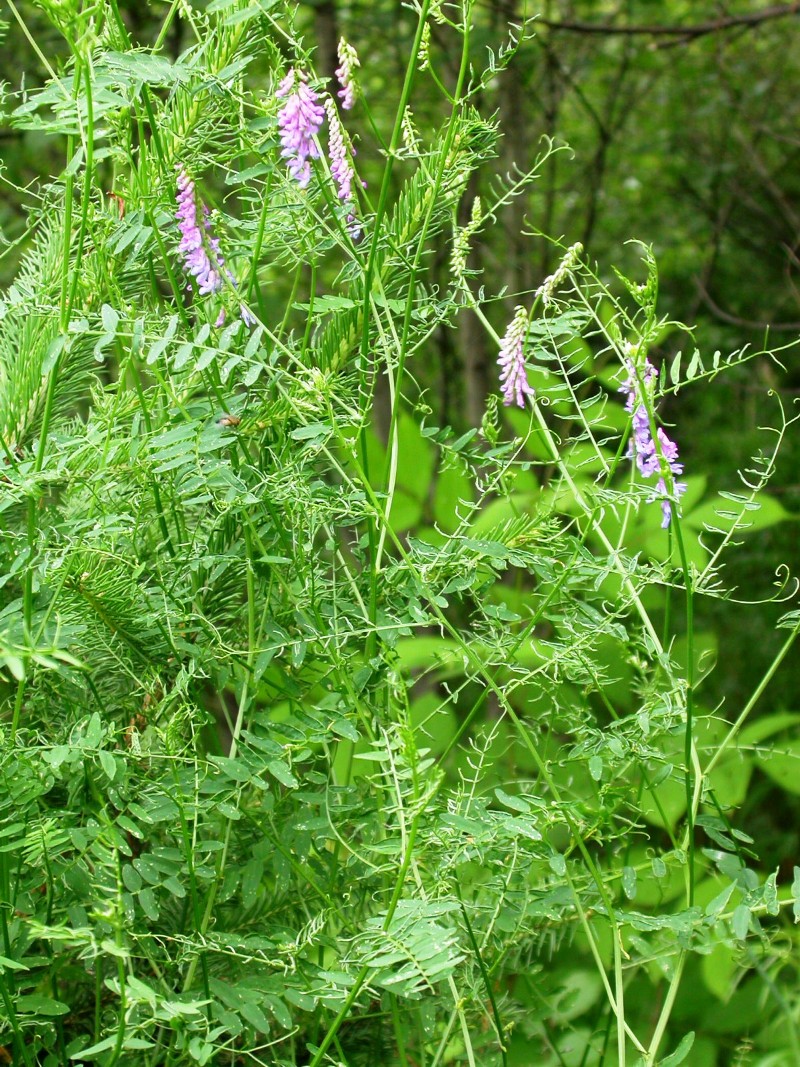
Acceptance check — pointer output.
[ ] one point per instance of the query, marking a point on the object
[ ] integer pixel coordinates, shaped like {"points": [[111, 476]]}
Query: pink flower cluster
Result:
{"points": [[643, 447], [513, 376], [345, 72], [202, 258], [196, 242], [341, 168], [299, 120]]}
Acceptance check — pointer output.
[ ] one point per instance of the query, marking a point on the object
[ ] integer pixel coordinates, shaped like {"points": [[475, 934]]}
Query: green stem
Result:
{"points": [[487, 984], [412, 286], [751, 703], [252, 644], [689, 753], [666, 1011], [193, 891], [383, 200], [66, 303], [19, 1042], [361, 977], [119, 942]]}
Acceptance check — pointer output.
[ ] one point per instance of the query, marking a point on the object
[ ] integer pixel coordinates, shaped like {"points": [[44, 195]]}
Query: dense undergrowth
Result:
{"points": [[332, 738]]}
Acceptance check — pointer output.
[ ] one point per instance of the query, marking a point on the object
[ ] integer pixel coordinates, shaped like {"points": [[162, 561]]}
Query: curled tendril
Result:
{"points": [[788, 586]]}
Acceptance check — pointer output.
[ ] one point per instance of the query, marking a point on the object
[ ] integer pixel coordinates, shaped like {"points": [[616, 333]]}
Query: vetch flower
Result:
{"points": [[341, 168], [424, 54], [200, 248], [348, 61], [409, 132], [643, 448], [461, 246], [513, 376], [196, 242], [299, 121], [548, 287]]}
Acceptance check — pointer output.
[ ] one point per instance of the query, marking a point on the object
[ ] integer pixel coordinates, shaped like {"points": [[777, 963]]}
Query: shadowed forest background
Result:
{"points": [[675, 123]]}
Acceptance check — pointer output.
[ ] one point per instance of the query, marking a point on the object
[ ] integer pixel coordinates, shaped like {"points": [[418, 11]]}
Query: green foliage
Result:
{"points": [[338, 738]]}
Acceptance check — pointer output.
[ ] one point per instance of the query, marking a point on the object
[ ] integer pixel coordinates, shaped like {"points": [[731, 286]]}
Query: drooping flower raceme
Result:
{"points": [[341, 167], [409, 132], [548, 287], [345, 72], [424, 55], [513, 376], [199, 247], [299, 121], [461, 241], [643, 448]]}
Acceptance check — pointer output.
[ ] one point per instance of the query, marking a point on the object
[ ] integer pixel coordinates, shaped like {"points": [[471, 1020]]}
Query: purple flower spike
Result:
{"points": [[513, 376], [299, 121], [200, 248], [341, 167], [642, 447], [196, 242], [348, 61]]}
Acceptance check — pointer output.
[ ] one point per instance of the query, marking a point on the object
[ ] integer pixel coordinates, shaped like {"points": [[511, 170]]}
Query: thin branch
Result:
{"points": [[750, 324], [690, 32]]}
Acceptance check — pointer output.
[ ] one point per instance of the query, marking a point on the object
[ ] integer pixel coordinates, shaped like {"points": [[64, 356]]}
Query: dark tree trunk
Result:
{"points": [[326, 31]]}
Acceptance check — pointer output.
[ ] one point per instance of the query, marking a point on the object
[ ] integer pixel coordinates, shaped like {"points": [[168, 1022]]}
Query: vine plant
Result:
{"points": [[329, 740]]}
